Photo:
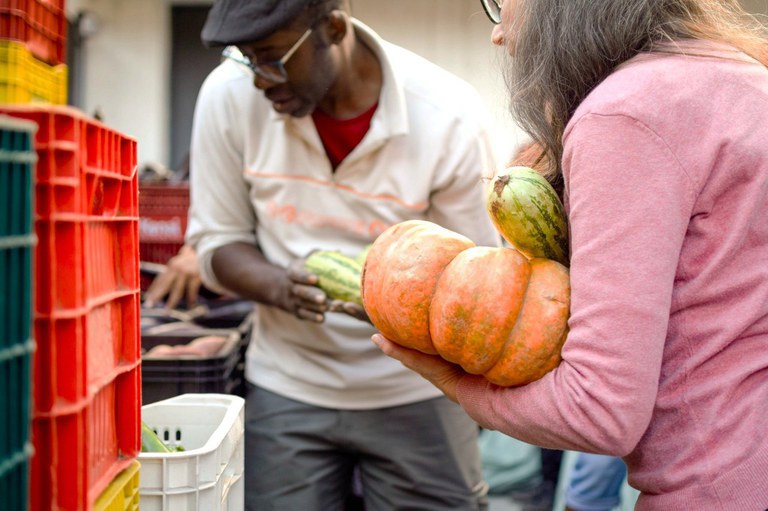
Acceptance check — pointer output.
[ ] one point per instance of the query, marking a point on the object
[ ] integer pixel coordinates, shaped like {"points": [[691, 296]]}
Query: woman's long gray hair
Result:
{"points": [[563, 49]]}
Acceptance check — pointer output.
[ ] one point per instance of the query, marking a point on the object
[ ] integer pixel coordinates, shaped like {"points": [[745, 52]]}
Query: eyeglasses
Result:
{"points": [[272, 71], [493, 9]]}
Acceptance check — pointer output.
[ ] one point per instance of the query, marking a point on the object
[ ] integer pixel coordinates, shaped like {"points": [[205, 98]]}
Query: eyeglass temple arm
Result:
{"points": [[296, 46]]}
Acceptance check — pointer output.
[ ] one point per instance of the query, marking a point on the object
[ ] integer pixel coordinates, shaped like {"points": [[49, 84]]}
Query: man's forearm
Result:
{"points": [[244, 270]]}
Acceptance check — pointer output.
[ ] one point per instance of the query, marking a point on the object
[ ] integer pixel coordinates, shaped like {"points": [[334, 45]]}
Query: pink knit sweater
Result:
{"points": [[666, 361]]}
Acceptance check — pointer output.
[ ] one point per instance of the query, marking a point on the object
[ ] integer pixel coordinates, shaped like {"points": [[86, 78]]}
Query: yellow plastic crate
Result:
{"points": [[122, 494], [25, 79]]}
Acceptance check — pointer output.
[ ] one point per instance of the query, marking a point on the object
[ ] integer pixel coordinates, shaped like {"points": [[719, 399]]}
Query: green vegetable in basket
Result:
{"points": [[150, 442]]}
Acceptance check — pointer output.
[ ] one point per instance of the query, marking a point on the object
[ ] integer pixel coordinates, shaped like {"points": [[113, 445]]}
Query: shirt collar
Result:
{"points": [[391, 117]]}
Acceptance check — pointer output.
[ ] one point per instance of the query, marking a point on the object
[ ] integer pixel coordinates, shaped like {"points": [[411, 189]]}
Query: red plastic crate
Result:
{"points": [[82, 262], [86, 375], [83, 352], [79, 451], [163, 210], [86, 210], [83, 167], [163, 221], [41, 25]]}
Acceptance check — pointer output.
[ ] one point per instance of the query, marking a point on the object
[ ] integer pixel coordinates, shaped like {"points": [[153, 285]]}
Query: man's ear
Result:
{"points": [[338, 25]]}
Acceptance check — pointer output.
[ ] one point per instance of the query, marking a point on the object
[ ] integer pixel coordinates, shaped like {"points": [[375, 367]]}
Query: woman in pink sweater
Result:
{"points": [[654, 114]]}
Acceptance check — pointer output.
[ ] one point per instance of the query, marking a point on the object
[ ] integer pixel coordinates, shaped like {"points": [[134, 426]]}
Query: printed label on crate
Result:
{"points": [[153, 229]]}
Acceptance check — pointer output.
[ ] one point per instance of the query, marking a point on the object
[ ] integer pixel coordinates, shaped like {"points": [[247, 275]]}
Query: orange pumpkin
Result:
{"points": [[400, 275], [499, 314], [491, 310]]}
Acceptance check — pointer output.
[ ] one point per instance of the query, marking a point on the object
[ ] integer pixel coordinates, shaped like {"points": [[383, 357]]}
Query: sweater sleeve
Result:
{"points": [[629, 203]]}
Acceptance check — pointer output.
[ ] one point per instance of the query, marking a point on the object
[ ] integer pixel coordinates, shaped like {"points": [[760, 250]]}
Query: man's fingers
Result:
{"points": [[177, 292], [311, 295], [299, 274], [193, 291], [157, 290], [310, 315], [348, 308], [356, 311]]}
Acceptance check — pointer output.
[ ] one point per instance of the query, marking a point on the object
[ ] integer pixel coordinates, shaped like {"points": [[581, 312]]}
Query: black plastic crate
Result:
{"points": [[15, 444], [17, 242], [166, 377], [17, 239]]}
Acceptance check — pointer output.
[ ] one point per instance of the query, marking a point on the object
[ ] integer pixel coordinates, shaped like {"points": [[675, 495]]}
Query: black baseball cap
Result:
{"points": [[243, 21]]}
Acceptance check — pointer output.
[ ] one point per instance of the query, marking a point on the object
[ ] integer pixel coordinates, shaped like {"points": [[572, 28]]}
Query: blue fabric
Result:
{"points": [[595, 483], [508, 464]]}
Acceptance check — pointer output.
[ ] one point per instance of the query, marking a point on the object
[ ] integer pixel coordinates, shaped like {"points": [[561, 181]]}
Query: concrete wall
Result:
{"points": [[127, 59], [126, 63]]}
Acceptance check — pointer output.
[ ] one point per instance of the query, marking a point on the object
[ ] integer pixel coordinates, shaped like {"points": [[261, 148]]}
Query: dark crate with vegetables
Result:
{"points": [[181, 359]]}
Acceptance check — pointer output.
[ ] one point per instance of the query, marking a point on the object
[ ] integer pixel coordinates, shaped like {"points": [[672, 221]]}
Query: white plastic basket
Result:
{"points": [[208, 474]]}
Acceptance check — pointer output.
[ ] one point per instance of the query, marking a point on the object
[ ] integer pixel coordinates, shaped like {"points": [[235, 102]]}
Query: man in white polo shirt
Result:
{"points": [[315, 133]]}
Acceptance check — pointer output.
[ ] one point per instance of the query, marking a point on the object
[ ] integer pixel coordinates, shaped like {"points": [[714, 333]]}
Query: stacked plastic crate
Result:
{"points": [[86, 377], [32, 51], [83, 294], [17, 239]]}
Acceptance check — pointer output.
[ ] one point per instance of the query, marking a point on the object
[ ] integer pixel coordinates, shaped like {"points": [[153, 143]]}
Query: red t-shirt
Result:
{"points": [[340, 136]]}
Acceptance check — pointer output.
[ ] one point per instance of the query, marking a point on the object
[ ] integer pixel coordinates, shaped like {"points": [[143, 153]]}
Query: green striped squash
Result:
{"points": [[528, 214], [338, 275], [150, 441]]}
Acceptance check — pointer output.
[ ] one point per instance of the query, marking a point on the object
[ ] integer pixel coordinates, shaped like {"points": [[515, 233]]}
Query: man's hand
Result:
{"points": [[438, 371], [309, 302], [180, 279], [305, 299], [350, 308]]}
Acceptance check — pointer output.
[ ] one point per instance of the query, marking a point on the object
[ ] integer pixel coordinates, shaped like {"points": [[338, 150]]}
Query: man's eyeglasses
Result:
{"points": [[272, 71], [493, 9]]}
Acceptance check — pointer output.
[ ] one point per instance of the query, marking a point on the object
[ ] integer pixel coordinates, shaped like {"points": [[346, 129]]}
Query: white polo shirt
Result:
{"points": [[263, 178]]}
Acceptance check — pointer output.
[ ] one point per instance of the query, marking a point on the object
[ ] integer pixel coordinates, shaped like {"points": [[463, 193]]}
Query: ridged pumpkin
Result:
{"points": [[400, 275], [499, 314], [491, 310]]}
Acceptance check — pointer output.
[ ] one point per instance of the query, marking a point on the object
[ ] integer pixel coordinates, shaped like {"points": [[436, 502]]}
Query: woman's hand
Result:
{"points": [[438, 371]]}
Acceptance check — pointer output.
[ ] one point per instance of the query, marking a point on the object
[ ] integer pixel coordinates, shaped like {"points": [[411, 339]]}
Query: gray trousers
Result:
{"points": [[422, 456]]}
